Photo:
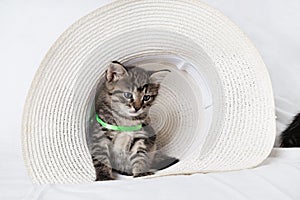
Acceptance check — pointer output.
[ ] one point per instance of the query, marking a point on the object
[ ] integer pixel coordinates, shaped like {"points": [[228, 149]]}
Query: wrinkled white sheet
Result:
{"points": [[29, 28], [277, 178]]}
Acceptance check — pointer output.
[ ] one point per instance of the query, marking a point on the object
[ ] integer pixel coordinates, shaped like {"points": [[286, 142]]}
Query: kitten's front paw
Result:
{"points": [[104, 177], [143, 174], [104, 173]]}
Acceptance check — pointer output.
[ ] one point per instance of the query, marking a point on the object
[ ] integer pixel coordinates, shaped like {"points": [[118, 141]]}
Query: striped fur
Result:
{"points": [[130, 153]]}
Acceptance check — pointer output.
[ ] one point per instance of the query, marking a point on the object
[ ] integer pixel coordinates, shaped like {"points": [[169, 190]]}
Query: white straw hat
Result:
{"points": [[215, 110]]}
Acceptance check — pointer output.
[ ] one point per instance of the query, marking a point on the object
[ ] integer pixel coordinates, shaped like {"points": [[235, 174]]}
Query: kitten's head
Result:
{"points": [[132, 89]]}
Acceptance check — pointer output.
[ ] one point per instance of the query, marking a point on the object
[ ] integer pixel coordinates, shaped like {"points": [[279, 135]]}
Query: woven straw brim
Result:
{"points": [[216, 110]]}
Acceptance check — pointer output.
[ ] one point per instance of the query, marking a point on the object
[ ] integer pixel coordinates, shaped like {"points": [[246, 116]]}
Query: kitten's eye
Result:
{"points": [[127, 95], [146, 98]]}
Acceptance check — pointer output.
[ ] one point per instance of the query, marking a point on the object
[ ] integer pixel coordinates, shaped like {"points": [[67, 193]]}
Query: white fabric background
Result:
{"points": [[28, 29]]}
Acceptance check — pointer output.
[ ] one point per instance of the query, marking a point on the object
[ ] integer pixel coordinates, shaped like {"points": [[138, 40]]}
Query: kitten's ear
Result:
{"points": [[115, 71], [158, 76]]}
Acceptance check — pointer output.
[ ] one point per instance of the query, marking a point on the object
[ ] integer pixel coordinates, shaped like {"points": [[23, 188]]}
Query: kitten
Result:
{"points": [[291, 136], [124, 98]]}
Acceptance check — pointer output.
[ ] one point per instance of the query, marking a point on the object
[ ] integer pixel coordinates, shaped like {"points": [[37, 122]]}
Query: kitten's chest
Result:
{"points": [[120, 152], [122, 142]]}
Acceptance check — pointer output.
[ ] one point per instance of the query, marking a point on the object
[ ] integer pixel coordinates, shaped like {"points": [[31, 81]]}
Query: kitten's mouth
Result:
{"points": [[134, 113]]}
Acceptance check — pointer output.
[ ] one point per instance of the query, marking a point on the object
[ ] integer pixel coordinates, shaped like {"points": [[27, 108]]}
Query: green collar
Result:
{"points": [[118, 128]]}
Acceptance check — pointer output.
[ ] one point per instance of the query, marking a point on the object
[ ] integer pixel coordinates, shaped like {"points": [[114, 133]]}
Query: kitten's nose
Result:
{"points": [[137, 105], [136, 108]]}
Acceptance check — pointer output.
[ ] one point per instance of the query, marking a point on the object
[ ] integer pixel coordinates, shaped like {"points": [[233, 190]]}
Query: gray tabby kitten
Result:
{"points": [[124, 98]]}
